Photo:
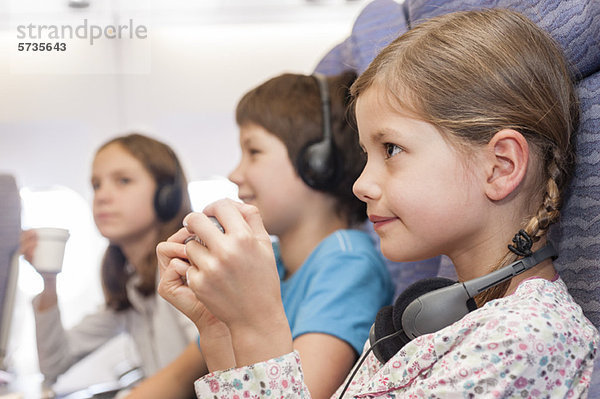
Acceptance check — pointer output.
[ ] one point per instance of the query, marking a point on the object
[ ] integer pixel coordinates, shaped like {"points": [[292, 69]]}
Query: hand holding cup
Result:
{"points": [[44, 248]]}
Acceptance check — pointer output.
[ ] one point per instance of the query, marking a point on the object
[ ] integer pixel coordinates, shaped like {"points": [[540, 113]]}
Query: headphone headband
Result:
{"points": [[318, 163], [431, 304], [325, 105], [440, 308], [480, 284]]}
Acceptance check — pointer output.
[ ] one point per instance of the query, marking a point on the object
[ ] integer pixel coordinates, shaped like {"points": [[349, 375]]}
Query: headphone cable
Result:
{"points": [[364, 357]]}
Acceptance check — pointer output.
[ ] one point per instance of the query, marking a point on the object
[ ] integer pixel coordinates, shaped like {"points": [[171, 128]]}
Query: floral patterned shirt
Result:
{"points": [[535, 343]]}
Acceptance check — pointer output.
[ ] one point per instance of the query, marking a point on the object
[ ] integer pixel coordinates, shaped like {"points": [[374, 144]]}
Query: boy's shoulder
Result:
{"points": [[347, 241], [346, 250]]}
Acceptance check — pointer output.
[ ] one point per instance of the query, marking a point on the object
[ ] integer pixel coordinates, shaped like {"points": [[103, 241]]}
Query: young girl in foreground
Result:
{"points": [[467, 121]]}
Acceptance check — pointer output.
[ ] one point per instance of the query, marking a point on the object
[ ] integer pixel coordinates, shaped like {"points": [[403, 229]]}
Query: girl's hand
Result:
{"points": [[214, 334], [173, 268], [235, 275], [27, 244]]}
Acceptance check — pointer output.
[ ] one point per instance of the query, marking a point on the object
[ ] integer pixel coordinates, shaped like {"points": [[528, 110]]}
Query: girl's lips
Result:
{"points": [[104, 215], [380, 221]]}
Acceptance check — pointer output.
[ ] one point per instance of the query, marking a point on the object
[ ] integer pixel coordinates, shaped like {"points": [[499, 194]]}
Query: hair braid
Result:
{"points": [[547, 214], [548, 211]]}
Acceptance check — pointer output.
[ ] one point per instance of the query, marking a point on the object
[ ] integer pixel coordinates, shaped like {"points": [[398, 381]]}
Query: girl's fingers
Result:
{"points": [[253, 218], [228, 214], [28, 236], [179, 236], [180, 267], [194, 278], [200, 225], [166, 251], [175, 270], [27, 242], [237, 217], [196, 253]]}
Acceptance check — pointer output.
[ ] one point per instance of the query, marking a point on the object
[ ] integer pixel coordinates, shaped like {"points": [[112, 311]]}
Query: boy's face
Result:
{"points": [[421, 198], [267, 179]]}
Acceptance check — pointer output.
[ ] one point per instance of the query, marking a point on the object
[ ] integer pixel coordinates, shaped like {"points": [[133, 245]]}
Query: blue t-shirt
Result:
{"points": [[338, 289]]}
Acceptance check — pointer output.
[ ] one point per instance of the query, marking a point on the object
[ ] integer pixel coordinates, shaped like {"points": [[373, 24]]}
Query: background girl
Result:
{"points": [[140, 198]]}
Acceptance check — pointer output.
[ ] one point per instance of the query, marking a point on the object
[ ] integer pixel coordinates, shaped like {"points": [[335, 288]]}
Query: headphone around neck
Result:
{"points": [[429, 305], [168, 196], [319, 163]]}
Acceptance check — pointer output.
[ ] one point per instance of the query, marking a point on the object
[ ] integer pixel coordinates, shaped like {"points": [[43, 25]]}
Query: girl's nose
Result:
{"points": [[102, 193], [365, 187]]}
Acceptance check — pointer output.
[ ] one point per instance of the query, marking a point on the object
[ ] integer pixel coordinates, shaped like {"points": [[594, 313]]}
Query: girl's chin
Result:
{"points": [[395, 253], [391, 254]]}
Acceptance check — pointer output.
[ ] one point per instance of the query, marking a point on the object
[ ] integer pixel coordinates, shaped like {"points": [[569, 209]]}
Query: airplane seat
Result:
{"points": [[10, 229], [578, 234]]}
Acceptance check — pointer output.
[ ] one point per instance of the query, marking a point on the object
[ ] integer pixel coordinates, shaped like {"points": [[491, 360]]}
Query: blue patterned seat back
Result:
{"points": [[578, 233], [574, 24]]}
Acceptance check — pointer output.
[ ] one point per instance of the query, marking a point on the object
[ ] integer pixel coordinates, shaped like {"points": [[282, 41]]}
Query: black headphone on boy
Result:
{"points": [[319, 163], [431, 304], [169, 194]]}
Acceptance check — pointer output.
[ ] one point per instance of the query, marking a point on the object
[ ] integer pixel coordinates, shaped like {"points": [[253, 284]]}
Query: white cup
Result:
{"points": [[50, 249]]}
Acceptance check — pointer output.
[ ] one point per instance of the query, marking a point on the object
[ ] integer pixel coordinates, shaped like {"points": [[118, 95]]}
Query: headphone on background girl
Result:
{"points": [[168, 196]]}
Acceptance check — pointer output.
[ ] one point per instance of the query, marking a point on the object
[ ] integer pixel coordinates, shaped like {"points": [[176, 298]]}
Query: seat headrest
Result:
{"points": [[574, 24]]}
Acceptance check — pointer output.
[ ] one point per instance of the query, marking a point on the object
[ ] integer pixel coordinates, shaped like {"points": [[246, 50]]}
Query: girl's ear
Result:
{"points": [[507, 159]]}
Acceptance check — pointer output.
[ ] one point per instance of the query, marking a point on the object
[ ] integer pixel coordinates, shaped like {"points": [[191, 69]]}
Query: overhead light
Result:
{"points": [[79, 3]]}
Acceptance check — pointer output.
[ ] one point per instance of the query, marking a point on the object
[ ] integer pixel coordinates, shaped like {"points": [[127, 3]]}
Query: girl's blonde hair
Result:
{"points": [[164, 167], [474, 73]]}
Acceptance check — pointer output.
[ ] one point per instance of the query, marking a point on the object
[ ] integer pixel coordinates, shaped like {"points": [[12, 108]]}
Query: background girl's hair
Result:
{"points": [[162, 164], [289, 107], [474, 73]]}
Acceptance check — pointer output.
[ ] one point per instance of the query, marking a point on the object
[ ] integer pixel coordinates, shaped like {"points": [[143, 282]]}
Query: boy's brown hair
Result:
{"points": [[289, 107]]}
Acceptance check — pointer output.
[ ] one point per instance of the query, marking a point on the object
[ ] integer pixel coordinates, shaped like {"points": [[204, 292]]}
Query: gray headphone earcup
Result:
{"points": [[389, 318]]}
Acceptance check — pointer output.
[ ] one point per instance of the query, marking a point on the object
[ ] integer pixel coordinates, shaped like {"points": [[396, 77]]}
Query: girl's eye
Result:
{"points": [[391, 150], [124, 180], [95, 186], [254, 151]]}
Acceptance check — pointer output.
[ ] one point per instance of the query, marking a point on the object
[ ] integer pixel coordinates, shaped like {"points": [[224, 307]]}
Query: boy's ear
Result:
{"points": [[507, 159]]}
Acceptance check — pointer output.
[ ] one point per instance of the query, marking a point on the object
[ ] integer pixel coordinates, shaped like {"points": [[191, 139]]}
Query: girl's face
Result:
{"points": [[419, 195], [123, 195], [267, 179]]}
